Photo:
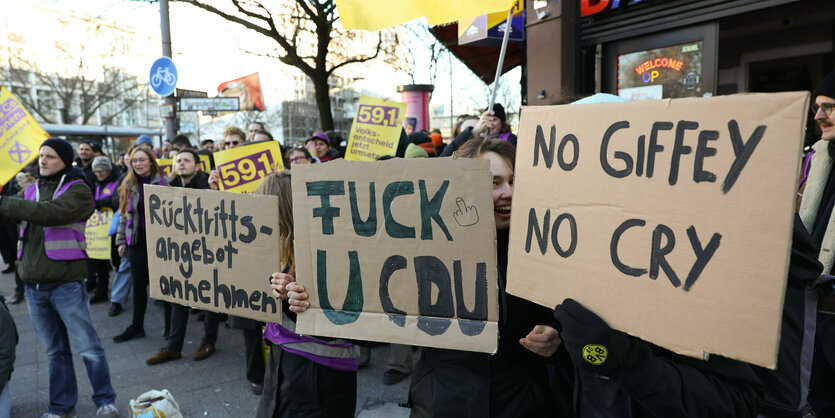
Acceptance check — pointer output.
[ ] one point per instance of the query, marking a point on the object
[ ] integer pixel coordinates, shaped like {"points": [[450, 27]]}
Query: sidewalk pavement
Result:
{"points": [[215, 387]]}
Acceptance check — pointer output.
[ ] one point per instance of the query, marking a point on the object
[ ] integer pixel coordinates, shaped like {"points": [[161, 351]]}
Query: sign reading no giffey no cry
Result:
{"points": [[671, 219], [213, 250], [399, 251]]}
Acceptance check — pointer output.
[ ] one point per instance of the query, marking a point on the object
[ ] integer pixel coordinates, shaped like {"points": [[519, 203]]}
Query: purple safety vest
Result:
{"points": [[106, 191], [129, 219], [505, 136], [61, 243]]}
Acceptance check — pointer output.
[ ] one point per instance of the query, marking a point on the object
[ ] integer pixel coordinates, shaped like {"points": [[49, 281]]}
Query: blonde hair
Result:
{"points": [[132, 179], [279, 184]]}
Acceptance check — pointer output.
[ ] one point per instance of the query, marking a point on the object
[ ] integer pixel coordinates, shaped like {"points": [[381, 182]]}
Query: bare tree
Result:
{"points": [[76, 96], [303, 31], [420, 35]]}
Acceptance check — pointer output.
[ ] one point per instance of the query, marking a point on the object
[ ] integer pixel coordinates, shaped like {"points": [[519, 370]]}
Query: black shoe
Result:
{"points": [[17, 298], [257, 388], [392, 377], [98, 298], [115, 309], [9, 269], [130, 333]]}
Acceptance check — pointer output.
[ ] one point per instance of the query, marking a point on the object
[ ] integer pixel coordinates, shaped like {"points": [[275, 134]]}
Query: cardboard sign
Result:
{"points": [[241, 169], [96, 234], [213, 250], [20, 136], [169, 165], [399, 251], [376, 129], [671, 219]]}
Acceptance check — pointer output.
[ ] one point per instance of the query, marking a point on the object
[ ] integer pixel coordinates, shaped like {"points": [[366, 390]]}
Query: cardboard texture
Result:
{"points": [[213, 250], [666, 244], [95, 234], [414, 265], [241, 169], [375, 131]]}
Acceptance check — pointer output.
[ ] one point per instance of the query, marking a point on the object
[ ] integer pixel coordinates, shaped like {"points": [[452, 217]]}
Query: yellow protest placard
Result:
{"points": [[376, 129], [20, 136], [98, 242], [241, 169]]}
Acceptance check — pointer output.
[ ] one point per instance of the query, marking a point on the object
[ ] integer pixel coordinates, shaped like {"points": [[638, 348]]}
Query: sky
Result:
{"points": [[207, 52]]}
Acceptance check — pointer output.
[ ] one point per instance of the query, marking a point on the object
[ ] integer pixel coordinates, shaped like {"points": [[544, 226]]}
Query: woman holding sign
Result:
{"points": [[130, 237], [306, 376], [514, 381]]}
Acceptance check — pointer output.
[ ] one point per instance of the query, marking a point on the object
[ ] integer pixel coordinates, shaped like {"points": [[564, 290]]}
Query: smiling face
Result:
{"points": [[49, 162], [824, 120], [141, 162], [502, 188]]}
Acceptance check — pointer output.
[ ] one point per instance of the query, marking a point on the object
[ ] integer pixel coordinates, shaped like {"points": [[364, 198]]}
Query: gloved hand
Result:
{"points": [[590, 342]]}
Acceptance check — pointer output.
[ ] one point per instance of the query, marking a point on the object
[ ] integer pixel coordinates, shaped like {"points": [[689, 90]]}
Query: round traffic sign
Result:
{"points": [[163, 76]]}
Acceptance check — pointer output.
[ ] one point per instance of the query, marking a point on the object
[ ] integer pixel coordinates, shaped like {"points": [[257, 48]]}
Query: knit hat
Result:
{"points": [[102, 163], [319, 135], [826, 87], [414, 151], [419, 137], [61, 147], [143, 139], [498, 111], [437, 139]]}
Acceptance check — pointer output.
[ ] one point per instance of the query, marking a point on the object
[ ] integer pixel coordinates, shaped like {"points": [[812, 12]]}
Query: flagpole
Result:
{"points": [[507, 29]]}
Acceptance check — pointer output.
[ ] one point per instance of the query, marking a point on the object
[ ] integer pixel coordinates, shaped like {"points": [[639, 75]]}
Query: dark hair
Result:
{"points": [[207, 141], [181, 141], [263, 132], [193, 154], [261, 124], [297, 149]]}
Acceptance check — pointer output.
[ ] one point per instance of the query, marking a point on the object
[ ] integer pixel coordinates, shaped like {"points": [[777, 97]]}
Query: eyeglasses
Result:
{"points": [[296, 158], [828, 108], [139, 160]]}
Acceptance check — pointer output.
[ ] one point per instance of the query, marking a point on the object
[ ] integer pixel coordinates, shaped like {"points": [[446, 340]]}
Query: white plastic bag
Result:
{"points": [[155, 404]]}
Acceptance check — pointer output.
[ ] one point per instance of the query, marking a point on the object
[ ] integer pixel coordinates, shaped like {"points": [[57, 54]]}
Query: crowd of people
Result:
{"points": [[542, 366]]}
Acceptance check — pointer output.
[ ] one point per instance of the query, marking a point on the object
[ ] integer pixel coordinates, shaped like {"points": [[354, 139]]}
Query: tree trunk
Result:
{"points": [[323, 101]]}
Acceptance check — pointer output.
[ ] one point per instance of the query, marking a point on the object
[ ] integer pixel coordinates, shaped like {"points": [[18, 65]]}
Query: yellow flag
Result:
{"points": [[242, 169], [20, 136], [381, 14], [376, 129]]}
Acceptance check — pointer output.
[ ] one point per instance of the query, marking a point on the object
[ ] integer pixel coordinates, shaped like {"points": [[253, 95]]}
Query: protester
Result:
{"points": [[53, 266], [816, 210], [262, 136], [120, 164], [492, 124], [181, 142], [319, 146], [514, 381], [234, 137], [208, 145], [130, 236], [307, 376], [220, 145], [189, 176], [253, 129], [144, 141], [106, 181], [166, 148], [437, 142], [424, 141], [8, 342], [8, 232], [86, 154], [297, 155]]}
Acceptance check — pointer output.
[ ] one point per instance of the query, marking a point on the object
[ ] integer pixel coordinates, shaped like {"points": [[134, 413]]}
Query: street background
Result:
{"points": [[215, 387]]}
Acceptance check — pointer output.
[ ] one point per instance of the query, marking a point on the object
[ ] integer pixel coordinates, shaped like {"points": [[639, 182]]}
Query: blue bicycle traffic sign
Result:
{"points": [[163, 76]]}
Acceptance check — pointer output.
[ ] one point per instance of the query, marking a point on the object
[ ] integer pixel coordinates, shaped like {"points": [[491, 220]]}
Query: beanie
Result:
{"points": [[437, 139], [498, 111], [319, 135], [826, 87], [143, 139], [419, 137], [102, 163], [61, 147], [414, 151]]}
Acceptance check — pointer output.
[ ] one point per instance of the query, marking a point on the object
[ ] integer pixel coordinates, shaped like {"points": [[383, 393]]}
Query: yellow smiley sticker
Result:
{"points": [[595, 354]]}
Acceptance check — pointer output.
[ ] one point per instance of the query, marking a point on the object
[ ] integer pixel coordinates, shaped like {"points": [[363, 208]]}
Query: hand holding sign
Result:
{"points": [[298, 297], [465, 215]]}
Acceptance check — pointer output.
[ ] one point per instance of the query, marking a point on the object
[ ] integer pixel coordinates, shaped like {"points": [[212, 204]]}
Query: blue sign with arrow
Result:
{"points": [[163, 76]]}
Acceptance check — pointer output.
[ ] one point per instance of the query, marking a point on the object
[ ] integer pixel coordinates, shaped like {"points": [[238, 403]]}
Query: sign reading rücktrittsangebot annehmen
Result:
{"points": [[213, 250], [671, 219]]}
